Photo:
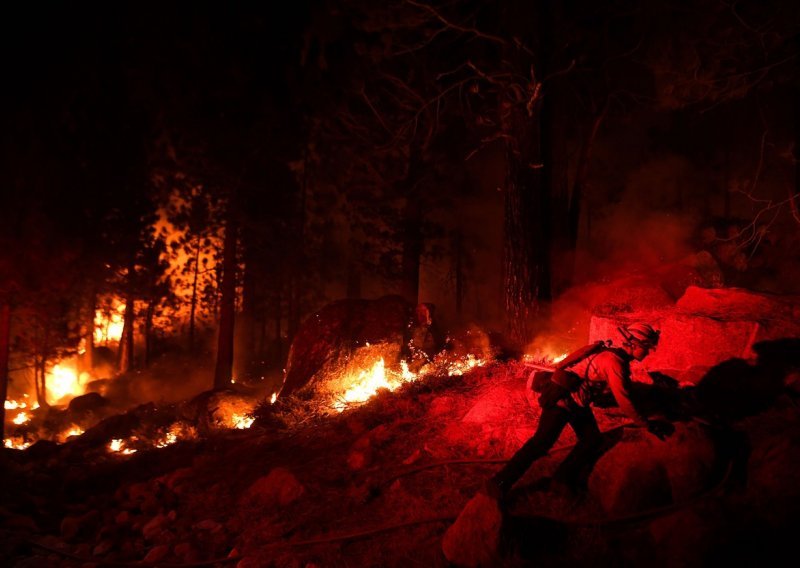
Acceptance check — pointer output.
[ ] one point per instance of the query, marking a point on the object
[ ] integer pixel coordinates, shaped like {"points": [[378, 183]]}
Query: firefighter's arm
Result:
{"points": [[619, 380]]}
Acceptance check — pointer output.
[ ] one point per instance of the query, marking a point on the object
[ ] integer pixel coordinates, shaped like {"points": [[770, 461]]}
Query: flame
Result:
{"points": [[16, 443], [560, 358], [273, 398], [13, 405], [169, 439], [366, 383], [458, 368], [63, 381], [21, 418], [242, 421], [74, 431], [108, 324], [118, 445]]}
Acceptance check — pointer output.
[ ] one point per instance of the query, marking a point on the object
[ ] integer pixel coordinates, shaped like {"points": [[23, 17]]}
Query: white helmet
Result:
{"points": [[641, 334]]}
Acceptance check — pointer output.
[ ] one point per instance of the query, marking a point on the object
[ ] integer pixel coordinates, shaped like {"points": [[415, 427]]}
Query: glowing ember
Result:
{"points": [[274, 398], [74, 431], [118, 445], [469, 362], [169, 439], [21, 418], [242, 422], [63, 381]]}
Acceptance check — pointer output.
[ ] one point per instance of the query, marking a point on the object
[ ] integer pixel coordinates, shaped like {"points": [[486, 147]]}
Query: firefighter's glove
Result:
{"points": [[661, 429]]}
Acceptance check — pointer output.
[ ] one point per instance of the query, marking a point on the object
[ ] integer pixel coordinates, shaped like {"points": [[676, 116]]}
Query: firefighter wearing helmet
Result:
{"points": [[600, 376]]}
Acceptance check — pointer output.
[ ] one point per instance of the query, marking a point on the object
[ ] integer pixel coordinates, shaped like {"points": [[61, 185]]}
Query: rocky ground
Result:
{"points": [[379, 485]]}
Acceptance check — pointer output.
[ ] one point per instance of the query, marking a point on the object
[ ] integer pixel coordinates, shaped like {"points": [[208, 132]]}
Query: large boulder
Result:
{"points": [[642, 472], [707, 327], [475, 538], [331, 335]]}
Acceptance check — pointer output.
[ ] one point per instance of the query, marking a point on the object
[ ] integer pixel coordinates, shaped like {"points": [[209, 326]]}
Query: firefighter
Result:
{"points": [[423, 337], [567, 399]]}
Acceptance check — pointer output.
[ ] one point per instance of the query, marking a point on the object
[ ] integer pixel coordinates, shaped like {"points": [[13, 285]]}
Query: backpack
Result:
{"points": [[560, 375]]}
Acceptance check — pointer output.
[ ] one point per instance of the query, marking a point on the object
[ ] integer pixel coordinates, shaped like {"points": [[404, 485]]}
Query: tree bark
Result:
{"points": [[224, 367], [247, 344], [526, 120], [411, 226], [88, 337], [458, 270], [193, 305], [148, 332], [125, 356]]}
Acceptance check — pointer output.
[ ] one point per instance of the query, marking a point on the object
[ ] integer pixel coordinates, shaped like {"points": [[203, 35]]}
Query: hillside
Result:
{"points": [[378, 485]]}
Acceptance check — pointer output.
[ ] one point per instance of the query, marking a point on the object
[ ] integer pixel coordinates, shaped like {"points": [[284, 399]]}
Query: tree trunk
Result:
{"points": [[458, 270], [87, 361], [411, 225], [245, 355], [148, 332], [125, 355], [353, 280], [5, 329], [278, 330], [578, 194], [527, 125], [224, 367], [193, 305]]}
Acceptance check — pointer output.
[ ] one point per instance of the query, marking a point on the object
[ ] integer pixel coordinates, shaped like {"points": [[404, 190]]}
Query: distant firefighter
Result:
{"points": [[423, 337]]}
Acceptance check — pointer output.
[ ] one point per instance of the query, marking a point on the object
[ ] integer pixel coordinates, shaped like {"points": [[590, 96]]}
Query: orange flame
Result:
{"points": [[21, 418], [16, 443], [118, 445], [242, 421], [108, 324], [63, 381]]}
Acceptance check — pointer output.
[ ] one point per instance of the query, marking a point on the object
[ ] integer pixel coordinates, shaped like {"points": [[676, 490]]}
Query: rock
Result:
{"points": [[153, 528], [774, 438], [103, 548], [208, 525], [474, 539], [642, 472], [20, 523], [277, 489], [497, 404], [90, 402], [157, 553], [186, 552], [75, 526], [359, 459], [175, 479]]}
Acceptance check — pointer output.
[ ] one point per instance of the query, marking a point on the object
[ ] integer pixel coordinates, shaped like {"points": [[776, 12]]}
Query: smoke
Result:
{"points": [[639, 233], [652, 223]]}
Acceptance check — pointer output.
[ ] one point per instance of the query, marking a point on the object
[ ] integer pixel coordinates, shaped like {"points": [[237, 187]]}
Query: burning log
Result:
{"points": [[336, 331]]}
